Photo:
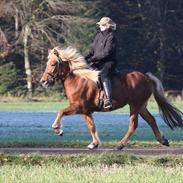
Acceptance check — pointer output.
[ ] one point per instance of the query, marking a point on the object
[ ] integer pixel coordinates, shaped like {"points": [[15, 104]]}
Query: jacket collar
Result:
{"points": [[104, 33]]}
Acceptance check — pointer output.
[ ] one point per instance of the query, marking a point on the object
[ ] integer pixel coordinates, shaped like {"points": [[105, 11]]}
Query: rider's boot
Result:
{"points": [[108, 92]]}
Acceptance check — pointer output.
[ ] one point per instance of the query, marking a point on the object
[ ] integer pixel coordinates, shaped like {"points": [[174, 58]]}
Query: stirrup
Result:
{"points": [[107, 104]]}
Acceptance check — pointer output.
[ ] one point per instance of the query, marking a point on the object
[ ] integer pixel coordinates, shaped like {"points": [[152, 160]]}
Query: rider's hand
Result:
{"points": [[92, 59], [87, 57]]}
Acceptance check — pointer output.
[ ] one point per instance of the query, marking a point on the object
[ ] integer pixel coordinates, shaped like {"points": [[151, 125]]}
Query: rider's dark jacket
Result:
{"points": [[103, 49]]}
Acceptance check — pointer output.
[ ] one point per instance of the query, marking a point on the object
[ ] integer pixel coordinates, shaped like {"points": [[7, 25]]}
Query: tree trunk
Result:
{"points": [[16, 23], [27, 61]]}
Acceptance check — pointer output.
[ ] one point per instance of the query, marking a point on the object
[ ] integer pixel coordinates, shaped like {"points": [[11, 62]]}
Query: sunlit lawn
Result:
{"points": [[93, 168], [55, 106], [100, 174]]}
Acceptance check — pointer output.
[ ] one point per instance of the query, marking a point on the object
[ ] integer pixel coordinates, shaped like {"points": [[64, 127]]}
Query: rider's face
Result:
{"points": [[104, 27]]}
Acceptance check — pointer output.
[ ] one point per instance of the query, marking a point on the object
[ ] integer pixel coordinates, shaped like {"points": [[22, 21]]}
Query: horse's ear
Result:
{"points": [[56, 52]]}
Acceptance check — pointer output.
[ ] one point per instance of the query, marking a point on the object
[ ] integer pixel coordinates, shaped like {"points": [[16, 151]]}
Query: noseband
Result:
{"points": [[55, 74]]}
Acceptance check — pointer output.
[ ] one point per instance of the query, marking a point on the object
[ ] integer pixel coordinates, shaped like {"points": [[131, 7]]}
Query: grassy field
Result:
{"points": [[87, 168], [55, 106], [30, 133], [98, 168], [100, 174], [32, 106]]}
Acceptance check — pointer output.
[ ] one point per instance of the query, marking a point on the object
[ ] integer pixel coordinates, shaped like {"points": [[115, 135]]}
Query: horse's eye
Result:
{"points": [[53, 64]]}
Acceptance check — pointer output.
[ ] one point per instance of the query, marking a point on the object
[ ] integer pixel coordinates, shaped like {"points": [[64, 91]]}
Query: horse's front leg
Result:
{"points": [[91, 126], [67, 111]]}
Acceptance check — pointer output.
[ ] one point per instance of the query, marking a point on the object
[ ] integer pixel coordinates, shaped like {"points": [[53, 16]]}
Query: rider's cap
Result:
{"points": [[105, 21]]}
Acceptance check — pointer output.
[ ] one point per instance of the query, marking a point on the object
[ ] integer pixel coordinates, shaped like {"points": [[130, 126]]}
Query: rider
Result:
{"points": [[102, 55]]}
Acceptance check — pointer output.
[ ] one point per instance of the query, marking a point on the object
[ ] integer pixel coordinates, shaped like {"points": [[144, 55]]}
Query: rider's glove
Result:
{"points": [[92, 59]]}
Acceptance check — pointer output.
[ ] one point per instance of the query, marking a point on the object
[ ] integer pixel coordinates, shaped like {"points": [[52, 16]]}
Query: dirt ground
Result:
{"points": [[136, 151]]}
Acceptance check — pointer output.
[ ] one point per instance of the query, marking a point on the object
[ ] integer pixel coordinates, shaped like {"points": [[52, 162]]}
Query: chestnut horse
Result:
{"points": [[132, 88]]}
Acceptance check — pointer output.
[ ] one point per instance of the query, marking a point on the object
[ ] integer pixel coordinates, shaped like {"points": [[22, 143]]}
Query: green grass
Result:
{"points": [[100, 174], [87, 168], [32, 106], [83, 168], [55, 106], [39, 106], [82, 160]]}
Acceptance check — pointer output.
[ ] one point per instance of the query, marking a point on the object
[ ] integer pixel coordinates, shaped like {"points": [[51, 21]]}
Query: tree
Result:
{"points": [[5, 47], [150, 36], [44, 22]]}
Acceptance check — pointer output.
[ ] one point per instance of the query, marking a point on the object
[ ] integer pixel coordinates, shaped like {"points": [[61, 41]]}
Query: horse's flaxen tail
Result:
{"points": [[170, 114]]}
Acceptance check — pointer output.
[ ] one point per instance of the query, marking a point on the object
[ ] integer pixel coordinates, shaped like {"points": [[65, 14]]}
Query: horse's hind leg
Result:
{"points": [[91, 126], [132, 127], [146, 115]]}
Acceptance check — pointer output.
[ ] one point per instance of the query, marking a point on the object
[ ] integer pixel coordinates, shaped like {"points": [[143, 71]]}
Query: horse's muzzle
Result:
{"points": [[47, 83]]}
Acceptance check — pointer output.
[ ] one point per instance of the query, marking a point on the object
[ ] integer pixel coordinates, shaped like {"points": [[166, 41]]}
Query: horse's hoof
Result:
{"points": [[164, 142], [58, 131], [119, 147], [93, 146]]}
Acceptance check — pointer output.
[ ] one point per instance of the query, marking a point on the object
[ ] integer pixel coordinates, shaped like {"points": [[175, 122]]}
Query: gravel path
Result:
{"points": [[137, 151]]}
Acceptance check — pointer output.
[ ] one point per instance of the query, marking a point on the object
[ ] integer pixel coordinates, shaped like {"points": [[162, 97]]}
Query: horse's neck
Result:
{"points": [[70, 81], [76, 86], [71, 84]]}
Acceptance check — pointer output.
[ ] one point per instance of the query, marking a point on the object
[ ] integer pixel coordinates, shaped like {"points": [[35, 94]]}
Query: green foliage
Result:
{"points": [[55, 92], [8, 77], [149, 34]]}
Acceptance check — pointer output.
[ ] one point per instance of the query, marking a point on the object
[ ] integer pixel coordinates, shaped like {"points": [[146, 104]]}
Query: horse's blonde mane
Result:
{"points": [[77, 63]]}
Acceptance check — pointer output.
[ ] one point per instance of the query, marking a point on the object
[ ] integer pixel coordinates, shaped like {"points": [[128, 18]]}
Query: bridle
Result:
{"points": [[57, 74]]}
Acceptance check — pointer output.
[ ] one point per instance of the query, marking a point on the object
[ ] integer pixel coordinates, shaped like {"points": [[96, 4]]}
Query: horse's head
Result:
{"points": [[56, 68]]}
